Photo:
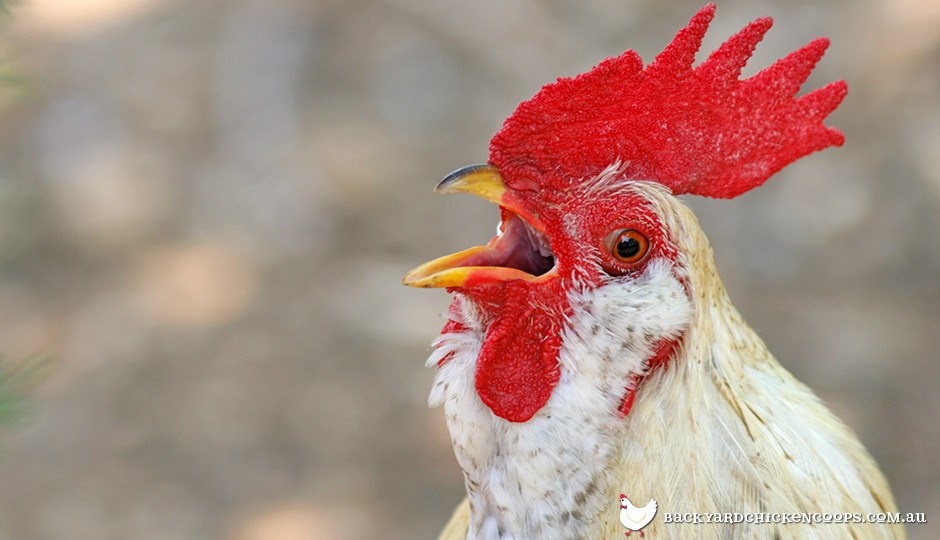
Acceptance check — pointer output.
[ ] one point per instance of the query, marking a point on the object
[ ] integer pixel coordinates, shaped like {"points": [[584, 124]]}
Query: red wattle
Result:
{"points": [[517, 368]]}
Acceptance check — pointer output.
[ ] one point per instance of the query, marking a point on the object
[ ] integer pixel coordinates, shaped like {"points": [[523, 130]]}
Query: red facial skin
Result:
{"points": [[696, 129], [518, 367]]}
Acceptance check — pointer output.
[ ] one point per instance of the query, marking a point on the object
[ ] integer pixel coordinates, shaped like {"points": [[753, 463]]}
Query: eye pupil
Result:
{"points": [[627, 247]]}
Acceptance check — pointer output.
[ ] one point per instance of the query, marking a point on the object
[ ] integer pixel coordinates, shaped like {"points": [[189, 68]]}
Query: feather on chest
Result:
{"points": [[554, 474]]}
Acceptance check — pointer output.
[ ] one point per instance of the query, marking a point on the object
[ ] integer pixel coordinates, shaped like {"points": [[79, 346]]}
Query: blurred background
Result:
{"points": [[206, 208]]}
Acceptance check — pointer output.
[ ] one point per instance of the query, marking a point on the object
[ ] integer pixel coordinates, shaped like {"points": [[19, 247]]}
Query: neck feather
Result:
{"points": [[551, 476]]}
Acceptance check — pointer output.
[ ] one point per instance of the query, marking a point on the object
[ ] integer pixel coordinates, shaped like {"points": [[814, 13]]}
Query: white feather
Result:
{"points": [[725, 428]]}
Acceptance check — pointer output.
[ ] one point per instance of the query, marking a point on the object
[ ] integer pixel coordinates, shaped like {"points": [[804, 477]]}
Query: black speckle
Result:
{"points": [[583, 495]]}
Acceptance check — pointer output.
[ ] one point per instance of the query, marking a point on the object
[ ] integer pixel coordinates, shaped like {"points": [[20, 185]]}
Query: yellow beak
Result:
{"points": [[469, 267], [481, 180]]}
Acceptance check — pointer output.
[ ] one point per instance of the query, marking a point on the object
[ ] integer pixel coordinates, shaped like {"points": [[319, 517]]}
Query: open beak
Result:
{"points": [[521, 250]]}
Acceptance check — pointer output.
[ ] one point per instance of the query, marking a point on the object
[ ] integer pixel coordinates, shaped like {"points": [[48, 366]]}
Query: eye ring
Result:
{"points": [[628, 246]]}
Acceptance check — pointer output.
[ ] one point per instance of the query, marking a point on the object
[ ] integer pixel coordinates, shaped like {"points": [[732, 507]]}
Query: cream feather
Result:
{"points": [[724, 429]]}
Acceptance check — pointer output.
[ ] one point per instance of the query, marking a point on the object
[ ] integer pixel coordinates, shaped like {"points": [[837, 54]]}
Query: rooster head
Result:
{"points": [[585, 174]]}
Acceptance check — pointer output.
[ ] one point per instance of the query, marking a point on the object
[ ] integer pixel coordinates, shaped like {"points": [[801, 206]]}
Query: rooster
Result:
{"points": [[591, 347], [633, 518]]}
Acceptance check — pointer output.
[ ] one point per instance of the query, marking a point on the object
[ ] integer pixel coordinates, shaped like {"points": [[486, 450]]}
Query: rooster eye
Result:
{"points": [[628, 245]]}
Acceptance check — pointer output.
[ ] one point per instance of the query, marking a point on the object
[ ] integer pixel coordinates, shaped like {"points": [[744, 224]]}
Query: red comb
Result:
{"points": [[696, 130]]}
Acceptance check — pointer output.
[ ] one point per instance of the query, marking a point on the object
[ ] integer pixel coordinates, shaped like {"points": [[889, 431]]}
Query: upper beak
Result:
{"points": [[479, 264], [481, 180]]}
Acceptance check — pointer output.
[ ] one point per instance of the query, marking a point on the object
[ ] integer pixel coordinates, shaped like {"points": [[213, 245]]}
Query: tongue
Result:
{"points": [[518, 363]]}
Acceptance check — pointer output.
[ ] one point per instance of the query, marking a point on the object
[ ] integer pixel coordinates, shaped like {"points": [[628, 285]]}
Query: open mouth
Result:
{"points": [[518, 245], [520, 250]]}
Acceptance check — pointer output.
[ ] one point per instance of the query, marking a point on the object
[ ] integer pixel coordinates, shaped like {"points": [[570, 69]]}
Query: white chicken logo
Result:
{"points": [[635, 518]]}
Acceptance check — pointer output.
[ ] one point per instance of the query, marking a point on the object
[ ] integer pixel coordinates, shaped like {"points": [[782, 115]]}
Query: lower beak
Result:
{"points": [[454, 271]]}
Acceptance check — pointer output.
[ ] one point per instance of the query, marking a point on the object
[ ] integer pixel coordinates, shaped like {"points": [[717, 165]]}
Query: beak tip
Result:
{"points": [[457, 181], [408, 279], [418, 279], [446, 182]]}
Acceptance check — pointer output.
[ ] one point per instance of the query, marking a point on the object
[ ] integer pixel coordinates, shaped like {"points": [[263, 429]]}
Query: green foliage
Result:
{"points": [[17, 379]]}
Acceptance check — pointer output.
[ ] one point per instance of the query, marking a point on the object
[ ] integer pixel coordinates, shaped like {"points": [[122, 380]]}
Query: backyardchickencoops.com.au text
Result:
{"points": [[794, 517]]}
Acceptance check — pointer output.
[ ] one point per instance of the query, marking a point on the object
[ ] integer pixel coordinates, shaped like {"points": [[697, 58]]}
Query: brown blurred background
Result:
{"points": [[206, 207]]}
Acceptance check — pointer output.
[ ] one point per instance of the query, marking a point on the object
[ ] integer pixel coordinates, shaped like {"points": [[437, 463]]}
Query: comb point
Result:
{"points": [[703, 131], [817, 104], [784, 77], [679, 55], [727, 61]]}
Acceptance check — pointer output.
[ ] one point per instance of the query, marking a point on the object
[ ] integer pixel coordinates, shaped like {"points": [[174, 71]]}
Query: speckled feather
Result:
{"points": [[724, 429], [721, 426]]}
